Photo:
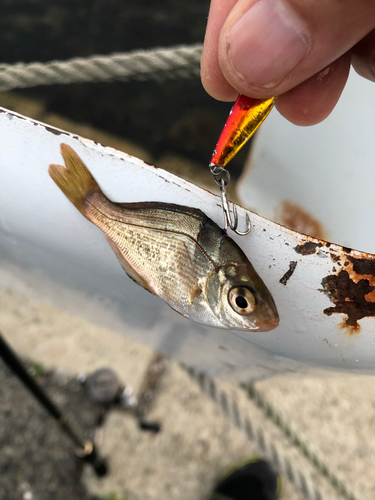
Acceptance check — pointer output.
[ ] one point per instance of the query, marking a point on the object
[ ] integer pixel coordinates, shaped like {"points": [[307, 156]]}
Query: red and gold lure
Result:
{"points": [[244, 119]]}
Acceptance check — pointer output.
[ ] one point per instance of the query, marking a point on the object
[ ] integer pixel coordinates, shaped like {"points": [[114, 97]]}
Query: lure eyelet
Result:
{"points": [[242, 300]]}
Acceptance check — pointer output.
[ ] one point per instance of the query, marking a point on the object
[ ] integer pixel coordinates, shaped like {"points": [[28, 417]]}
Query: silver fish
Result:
{"points": [[175, 252]]}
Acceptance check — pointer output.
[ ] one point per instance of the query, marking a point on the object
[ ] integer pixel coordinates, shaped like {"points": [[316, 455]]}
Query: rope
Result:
{"points": [[296, 440], [302, 480], [156, 64]]}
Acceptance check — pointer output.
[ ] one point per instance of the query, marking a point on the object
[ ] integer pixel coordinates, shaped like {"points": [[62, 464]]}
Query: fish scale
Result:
{"points": [[149, 254], [174, 279]]}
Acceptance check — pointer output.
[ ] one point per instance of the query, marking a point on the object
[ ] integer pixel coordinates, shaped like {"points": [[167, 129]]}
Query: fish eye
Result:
{"points": [[242, 300]]}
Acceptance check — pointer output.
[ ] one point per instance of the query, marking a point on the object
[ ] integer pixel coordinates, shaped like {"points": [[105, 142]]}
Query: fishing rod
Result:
{"points": [[84, 449]]}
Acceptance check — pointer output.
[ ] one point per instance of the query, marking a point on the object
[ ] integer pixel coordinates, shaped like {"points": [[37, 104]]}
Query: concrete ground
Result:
{"points": [[333, 413]]}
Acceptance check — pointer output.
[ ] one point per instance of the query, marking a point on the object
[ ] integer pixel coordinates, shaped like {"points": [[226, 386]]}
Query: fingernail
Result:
{"points": [[266, 44]]}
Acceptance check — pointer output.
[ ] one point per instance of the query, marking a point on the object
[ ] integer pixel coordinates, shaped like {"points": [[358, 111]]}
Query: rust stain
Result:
{"points": [[351, 286], [288, 274], [296, 218], [363, 266], [308, 248], [353, 330], [352, 289]]}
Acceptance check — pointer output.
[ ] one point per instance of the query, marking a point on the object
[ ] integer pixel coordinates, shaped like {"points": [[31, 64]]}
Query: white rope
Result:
{"points": [[302, 480], [156, 64]]}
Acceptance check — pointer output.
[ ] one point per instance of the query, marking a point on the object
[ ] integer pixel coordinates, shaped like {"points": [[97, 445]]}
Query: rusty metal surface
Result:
{"points": [[352, 289], [295, 217], [324, 292]]}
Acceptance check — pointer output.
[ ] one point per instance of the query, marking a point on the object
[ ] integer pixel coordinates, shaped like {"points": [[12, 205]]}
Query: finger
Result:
{"points": [[267, 47], [363, 58], [212, 77], [313, 100]]}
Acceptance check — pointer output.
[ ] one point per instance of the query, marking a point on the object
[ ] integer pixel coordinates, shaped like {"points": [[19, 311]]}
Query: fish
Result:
{"points": [[175, 252]]}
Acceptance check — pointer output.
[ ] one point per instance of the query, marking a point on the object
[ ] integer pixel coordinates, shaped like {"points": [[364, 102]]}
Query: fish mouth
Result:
{"points": [[265, 325], [269, 320], [259, 326], [268, 326]]}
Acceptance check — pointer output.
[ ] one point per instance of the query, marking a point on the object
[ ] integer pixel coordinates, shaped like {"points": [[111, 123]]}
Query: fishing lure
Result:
{"points": [[174, 252], [244, 119]]}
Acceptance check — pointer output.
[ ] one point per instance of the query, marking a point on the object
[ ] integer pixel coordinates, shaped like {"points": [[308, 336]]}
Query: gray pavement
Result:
{"points": [[334, 413]]}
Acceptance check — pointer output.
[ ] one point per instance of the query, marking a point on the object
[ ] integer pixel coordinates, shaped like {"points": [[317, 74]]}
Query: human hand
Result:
{"points": [[300, 50]]}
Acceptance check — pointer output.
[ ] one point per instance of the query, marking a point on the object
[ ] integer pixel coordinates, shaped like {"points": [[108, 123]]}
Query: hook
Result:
{"points": [[222, 178], [227, 214]]}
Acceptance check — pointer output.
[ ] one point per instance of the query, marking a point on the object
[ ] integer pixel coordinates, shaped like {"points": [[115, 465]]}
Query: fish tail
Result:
{"points": [[74, 180]]}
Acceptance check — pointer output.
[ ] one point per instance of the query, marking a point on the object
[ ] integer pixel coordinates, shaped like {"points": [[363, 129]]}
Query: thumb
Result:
{"points": [[267, 47]]}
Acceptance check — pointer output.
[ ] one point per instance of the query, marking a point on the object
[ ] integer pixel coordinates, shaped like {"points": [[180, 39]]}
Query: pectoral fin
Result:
{"points": [[133, 275], [195, 292]]}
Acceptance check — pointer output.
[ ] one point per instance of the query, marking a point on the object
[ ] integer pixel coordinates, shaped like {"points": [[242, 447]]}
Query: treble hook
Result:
{"points": [[222, 183]]}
